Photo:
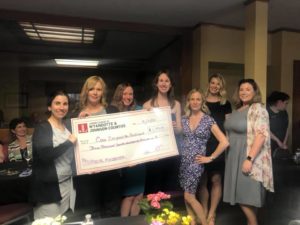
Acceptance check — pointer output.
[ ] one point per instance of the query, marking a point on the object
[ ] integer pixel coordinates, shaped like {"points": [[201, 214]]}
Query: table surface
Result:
{"points": [[13, 188], [131, 220]]}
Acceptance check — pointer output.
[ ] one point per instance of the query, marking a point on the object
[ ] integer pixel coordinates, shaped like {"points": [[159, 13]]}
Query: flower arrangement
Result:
{"points": [[158, 210], [59, 220]]}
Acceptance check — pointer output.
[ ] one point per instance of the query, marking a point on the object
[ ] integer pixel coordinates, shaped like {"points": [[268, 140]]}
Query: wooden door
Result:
{"points": [[296, 106]]}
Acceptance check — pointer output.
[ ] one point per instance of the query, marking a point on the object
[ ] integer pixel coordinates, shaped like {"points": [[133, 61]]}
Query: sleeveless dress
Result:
{"points": [[238, 187], [193, 143], [218, 112]]}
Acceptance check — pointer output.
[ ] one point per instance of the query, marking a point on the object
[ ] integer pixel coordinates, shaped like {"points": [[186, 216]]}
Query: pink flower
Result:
{"points": [[163, 195], [150, 197], [155, 204], [154, 222]]}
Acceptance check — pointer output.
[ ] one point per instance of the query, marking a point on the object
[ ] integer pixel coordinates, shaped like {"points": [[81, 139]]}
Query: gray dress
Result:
{"points": [[238, 187]]}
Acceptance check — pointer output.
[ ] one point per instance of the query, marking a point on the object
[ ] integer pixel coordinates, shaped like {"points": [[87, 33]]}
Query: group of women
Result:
{"points": [[248, 167]]}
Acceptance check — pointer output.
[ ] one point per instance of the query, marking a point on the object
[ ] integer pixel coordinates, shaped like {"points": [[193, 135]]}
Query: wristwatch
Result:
{"points": [[249, 158]]}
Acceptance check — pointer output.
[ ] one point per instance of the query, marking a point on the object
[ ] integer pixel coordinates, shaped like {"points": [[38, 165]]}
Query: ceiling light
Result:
{"points": [[54, 33], [77, 62]]}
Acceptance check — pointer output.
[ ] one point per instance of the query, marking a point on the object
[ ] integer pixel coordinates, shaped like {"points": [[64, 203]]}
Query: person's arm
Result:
{"points": [[177, 123], [11, 155], [260, 124], [276, 139], [223, 144], [147, 105], [255, 149], [43, 145]]}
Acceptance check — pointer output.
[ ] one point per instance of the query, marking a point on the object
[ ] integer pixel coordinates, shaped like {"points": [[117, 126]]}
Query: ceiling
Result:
{"points": [[135, 46], [187, 13]]}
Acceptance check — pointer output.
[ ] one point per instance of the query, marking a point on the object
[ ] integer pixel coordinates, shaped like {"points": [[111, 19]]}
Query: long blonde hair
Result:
{"points": [[222, 93], [203, 107], [88, 85]]}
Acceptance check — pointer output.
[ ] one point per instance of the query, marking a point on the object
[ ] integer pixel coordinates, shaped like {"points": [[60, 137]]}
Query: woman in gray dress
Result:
{"points": [[248, 170]]}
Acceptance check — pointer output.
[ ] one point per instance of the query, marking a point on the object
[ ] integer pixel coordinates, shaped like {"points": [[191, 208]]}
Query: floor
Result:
{"points": [[281, 208]]}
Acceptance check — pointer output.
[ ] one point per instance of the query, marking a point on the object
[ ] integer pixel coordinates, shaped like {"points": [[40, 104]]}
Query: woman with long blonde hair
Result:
{"points": [[92, 103], [197, 127], [219, 108]]}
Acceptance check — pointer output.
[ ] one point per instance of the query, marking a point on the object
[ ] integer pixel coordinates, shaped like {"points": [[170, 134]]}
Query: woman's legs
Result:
{"points": [[195, 206], [215, 195], [135, 208], [250, 213], [129, 205], [203, 193], [126, 206]]}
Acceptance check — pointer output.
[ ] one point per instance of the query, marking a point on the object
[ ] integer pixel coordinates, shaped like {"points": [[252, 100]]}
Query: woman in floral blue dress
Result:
{"points": [[197, 127]]}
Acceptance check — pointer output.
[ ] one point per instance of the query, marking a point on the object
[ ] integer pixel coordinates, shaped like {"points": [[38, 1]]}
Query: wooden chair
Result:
{"points": [[15, 212]]}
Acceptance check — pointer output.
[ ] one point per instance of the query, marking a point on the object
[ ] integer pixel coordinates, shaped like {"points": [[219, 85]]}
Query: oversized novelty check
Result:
{"points": [[113, 141]]}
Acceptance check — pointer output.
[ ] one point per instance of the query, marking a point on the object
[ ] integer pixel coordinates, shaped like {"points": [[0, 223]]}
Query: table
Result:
{"points": [[131, 220], [13, 189]]}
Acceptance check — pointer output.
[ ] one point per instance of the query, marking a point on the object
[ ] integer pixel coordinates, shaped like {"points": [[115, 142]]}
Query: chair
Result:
{"points": [[12, 213]]}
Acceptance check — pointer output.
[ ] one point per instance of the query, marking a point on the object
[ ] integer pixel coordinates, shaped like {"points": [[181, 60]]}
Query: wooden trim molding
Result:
{"points": [[248, 2]]}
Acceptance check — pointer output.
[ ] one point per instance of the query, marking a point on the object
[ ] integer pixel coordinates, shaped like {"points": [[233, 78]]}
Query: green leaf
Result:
{"points": [[167, 204]]}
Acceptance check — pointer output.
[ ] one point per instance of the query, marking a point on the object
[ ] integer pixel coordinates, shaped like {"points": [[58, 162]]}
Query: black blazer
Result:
{"points": [[44, 183]]}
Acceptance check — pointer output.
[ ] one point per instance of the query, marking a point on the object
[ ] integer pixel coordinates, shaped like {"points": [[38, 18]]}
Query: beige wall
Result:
{"points": [[221, 44]]}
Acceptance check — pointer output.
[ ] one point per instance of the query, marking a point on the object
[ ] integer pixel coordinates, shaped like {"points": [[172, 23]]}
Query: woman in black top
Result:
{"points": [[219, 107], [52, 185]]}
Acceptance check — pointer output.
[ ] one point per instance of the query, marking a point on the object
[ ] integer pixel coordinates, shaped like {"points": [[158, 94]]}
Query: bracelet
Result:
{"points": [[212, 158]]}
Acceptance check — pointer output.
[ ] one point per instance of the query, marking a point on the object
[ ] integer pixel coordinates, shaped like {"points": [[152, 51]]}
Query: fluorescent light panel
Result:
{"points": [[77, 62], [54, 33]]}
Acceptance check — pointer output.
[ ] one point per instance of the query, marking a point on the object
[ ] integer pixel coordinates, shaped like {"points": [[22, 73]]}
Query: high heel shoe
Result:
{"points": [[211, 220]]}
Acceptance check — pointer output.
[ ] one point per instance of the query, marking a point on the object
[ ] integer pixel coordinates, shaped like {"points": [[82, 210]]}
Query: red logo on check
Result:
{"points": [[82, 128]]}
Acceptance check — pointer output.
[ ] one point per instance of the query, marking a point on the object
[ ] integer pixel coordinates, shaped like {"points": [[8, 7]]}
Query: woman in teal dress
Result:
{"points": [[133, 178]]}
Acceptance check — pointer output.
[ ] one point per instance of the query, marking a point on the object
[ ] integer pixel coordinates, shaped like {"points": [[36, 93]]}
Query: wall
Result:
{"points": [[9, 85], [226, 45], [219, 44]]}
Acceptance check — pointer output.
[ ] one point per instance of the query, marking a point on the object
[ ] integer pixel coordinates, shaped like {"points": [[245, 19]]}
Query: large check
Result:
{"points": [[113, 141]]}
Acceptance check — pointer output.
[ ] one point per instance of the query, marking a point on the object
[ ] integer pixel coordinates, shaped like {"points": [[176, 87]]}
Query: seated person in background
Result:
{"points": [[22, 143], [279, 121], [2, 156]]}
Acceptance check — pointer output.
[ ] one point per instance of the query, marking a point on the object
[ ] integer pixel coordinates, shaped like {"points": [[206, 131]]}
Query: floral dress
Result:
{"points": [[193, 143]]}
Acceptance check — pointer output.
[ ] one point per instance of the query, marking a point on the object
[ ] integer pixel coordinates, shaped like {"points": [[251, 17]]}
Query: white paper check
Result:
{"points": [[118, 140]]}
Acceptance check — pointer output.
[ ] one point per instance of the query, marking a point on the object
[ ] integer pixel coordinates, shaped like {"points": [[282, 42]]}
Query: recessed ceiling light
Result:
{"points": [[77, 62]]}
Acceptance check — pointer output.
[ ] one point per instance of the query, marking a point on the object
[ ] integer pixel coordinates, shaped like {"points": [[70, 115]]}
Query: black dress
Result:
{"points": [[218, 112]]}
